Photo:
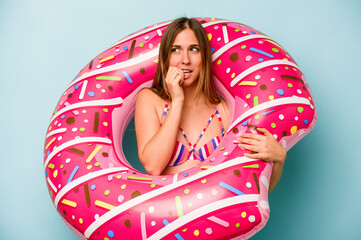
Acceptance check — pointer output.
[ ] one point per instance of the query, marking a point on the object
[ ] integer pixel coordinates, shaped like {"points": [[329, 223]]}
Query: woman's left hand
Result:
{"points": [[264, 147]]}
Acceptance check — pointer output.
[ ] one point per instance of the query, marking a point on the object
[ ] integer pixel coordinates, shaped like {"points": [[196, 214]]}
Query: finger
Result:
{"points": [[252, 136], [264, 131], [253, 155], [249, 147], [248, 141]]}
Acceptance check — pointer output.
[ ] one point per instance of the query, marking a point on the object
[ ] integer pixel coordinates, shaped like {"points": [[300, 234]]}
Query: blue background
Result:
{"points": [[44, 44]]}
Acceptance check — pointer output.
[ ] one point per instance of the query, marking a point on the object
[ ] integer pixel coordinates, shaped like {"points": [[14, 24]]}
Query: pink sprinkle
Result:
{"points": [[248, 58]]}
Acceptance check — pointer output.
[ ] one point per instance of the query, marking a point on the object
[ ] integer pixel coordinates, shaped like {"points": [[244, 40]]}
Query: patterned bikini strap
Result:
{"points": [[166, 108], [192, 146]]}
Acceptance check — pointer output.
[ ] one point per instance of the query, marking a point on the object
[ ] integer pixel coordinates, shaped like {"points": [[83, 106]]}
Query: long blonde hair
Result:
{"points": [[205, 83]]}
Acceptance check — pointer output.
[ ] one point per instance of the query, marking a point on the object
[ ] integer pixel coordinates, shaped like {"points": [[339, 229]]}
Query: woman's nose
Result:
{"points": [[185, 59]]}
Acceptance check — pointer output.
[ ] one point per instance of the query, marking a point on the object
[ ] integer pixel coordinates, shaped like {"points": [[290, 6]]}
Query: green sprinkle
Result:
{"points": [[113, 78], [286, 68], [153, 185], [275, 50], [106, 193], [300, 109], [219, 62], [222, 148], [256, 117], [51, 166], [81, 129], [243, 46], [55, 111], [289, 85], [186, 191], [100, 57], [141, 44], [255, 100], [140, 178], [273, 125], [61, 166], [105, 109], [237, 225], [96, 164], [236, 30]]}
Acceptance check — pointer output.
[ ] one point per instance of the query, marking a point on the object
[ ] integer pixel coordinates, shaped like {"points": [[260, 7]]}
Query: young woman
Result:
{"points": [[170, 116]]}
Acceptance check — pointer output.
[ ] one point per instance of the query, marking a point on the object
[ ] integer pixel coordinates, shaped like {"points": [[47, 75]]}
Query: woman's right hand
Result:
{"points": [[174, 80]]}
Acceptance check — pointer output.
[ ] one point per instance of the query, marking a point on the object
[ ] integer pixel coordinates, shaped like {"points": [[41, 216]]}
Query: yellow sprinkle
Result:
{"points": [[156, 61], [209, 35], [310, 98], [95, 151], [256, 117], [104, 205], [51, 141], [295, 69], [196, 233], [212, 19], [89, 167], [105, 124], [119, 176], [106, 59], [84, 73], [123, 186], [49, 128], [248, 83], [271, 97], [248, 96], [285, 59], [81, 221], [164, 178], [293, 129], [205, 167], [243, 214], [69, 203], [204, 180], [54, 147], [55, 173], [233, 75]]}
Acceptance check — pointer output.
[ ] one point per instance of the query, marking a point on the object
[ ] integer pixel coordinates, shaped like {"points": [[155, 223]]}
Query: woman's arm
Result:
{"points": [[155, 142], [265, 147]]}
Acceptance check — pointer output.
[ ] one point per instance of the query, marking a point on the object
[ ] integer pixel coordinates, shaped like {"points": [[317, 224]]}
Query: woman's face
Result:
{"points": [[185, 55]]}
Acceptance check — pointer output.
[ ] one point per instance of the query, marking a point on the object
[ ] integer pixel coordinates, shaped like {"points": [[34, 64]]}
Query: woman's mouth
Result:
{"points": [[186, 73]]}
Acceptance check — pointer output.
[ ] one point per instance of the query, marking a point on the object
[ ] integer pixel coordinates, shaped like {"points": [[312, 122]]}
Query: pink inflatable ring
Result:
{"points": [[101, 196]]}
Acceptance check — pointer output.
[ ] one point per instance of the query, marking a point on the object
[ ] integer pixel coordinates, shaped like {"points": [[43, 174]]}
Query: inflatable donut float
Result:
{"points": [[101, 196]]}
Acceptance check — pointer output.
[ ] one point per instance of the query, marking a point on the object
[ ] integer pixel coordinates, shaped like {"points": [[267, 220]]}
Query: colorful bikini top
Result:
{"points": [[181, 153]]}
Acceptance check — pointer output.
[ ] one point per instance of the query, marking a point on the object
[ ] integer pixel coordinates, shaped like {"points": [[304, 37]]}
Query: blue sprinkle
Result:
{"points": [[72, 174], [212, 49], [260, 59], [280, 91], [231, 188], [76, 86], [185, 174], [125, 47], [165, 222], [265, 113], [48, 153], [244, 123], [46, 174], [91, 94], [261, 52], [178, 236], [93, 186], [76, 77], [127, 76], [62, 116], [306, 121], [253, 32], [110, 233]]}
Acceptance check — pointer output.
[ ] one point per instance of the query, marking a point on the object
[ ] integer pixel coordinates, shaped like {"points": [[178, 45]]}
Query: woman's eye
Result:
{"points": [[175, 50], [194, 49]]}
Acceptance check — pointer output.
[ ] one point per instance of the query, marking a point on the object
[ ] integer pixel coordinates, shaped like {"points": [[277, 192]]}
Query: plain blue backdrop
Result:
{"points": [[44, 44]]}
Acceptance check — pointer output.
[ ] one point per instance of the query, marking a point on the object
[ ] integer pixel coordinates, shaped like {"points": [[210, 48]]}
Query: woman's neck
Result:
{"points": [[190, 97]]}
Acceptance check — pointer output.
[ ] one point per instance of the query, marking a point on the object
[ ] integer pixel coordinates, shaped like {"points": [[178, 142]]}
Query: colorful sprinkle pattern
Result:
{"points": [[98, 193]]}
